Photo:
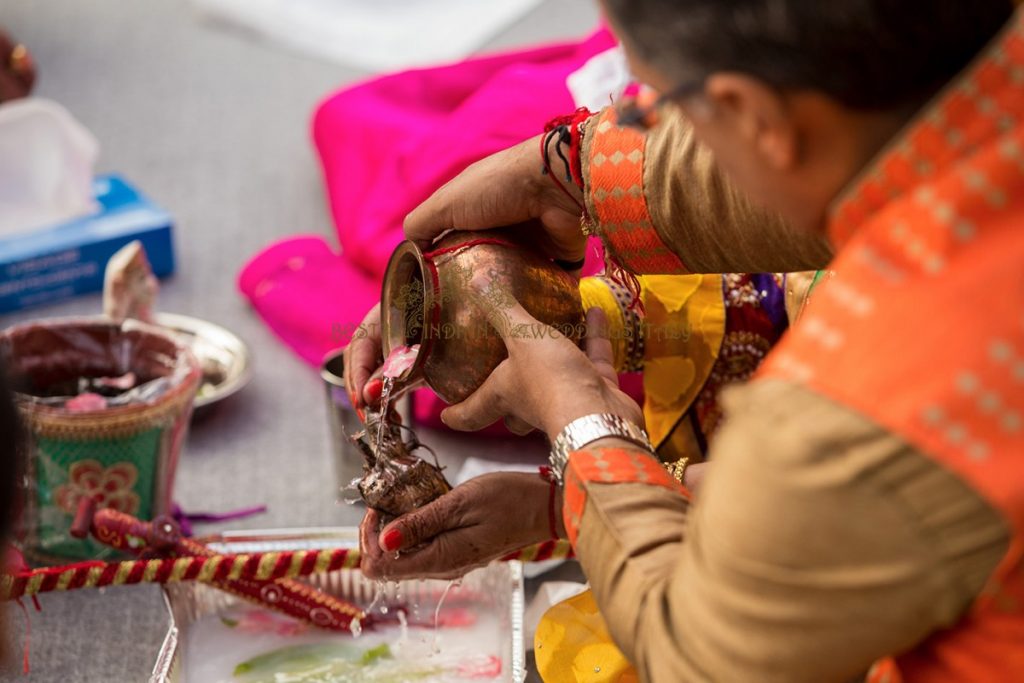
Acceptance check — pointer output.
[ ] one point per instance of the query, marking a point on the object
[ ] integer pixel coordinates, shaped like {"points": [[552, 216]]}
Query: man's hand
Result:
{"points": [[507, 188], [546, 381], [475, 523]]}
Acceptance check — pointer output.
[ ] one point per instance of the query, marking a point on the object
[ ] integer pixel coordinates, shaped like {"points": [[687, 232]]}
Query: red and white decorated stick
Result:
{"points": [[259, 566], [163, 536], [256, 566]]}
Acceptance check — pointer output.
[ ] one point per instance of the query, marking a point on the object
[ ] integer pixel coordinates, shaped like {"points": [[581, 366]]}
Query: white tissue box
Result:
{"points": [[55, 263]]}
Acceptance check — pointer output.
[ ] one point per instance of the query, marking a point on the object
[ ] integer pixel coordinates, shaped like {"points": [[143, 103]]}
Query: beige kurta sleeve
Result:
{"points": [[661, 205], [817, 544]]}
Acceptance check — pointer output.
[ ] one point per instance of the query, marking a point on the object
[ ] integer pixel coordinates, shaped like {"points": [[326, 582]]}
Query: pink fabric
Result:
{"points": [[308, 295], [385, 146]]}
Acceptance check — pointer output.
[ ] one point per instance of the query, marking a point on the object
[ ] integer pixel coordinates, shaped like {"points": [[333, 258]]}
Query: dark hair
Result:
{"points": [[866, 54]]}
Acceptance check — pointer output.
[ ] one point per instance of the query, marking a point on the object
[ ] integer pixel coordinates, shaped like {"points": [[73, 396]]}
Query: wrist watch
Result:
{"points": [[588, 429]]}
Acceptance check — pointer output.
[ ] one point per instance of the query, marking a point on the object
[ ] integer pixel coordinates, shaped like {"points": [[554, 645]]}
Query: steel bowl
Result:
{"points": [[224, 358]]}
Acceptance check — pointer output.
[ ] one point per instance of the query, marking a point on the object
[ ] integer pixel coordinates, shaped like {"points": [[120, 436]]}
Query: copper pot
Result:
{"points": [[426, 300]]}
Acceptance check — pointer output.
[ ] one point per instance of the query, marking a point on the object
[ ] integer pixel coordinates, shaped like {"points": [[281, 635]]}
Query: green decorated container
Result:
{"points": [[123, 453]]}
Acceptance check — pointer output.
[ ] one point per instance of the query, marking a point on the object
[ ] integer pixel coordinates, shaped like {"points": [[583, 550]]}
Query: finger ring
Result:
{"points": [[19, 61]]}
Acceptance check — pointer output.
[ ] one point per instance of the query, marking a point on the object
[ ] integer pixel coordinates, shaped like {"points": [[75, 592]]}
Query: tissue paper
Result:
{"points": [[46, 166]]}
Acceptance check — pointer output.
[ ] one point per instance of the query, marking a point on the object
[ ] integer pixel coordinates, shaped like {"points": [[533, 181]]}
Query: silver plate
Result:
{"points": [[224, 358], [498, 587]]}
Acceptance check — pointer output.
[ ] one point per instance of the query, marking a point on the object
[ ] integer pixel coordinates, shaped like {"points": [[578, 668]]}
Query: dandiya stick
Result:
{"points": [[216, 568], [261, 567], [267, 586]]}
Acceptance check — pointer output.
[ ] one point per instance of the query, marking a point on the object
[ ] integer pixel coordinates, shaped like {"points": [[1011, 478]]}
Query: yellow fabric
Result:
{"points": [[594, 292], [684, 328], [572, 645], [682, 335], [683, 331]]}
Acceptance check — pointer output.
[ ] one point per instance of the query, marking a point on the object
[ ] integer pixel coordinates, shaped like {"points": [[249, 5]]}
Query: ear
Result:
{"points": [[758, 113]]}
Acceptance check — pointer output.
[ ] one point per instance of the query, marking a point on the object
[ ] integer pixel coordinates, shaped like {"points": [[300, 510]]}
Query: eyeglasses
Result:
{"points": [[642, 118]]}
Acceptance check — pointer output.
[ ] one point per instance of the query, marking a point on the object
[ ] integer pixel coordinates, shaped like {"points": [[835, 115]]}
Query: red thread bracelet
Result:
{"points": [[551, 173], [573, 126]]}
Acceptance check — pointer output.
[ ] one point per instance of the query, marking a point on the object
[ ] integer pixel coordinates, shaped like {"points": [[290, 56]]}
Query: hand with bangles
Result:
{"points": [[17, 69]]}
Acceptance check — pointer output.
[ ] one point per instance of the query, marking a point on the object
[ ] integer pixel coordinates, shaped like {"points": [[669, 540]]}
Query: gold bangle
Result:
{"points": [[678, 468]]}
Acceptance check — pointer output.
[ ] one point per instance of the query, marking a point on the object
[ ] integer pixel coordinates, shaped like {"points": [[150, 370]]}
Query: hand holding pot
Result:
{"points": [[546, 381], [508, 188]]}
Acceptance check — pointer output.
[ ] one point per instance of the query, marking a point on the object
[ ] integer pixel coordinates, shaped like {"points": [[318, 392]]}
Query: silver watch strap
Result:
{"points": [[590, 428]]}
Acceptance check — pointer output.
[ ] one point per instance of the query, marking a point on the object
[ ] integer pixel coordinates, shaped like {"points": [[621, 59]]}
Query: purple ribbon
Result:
{"points": [[186, 519]]}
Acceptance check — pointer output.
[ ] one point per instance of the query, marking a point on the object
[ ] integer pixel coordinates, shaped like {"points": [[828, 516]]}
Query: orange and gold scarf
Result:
{"points": [[922, 326]]}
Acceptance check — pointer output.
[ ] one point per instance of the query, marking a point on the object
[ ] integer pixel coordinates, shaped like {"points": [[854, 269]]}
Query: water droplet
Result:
{"points": [[404, 626], [437, 615], [378, 595], [383, 609], [597, 669], [356, 627]]}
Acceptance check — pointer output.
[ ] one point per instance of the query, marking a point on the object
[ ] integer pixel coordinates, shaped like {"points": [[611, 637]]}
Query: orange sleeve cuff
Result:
{"points": [[609, 466], [618, 202]]}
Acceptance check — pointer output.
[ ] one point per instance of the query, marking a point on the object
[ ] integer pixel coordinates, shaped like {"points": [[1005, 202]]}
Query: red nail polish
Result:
{"points": [[374, 389], [361, 414], [353, 399], [392, 539]]}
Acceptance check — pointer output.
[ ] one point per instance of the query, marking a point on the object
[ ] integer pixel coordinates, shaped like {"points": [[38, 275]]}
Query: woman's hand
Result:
{"points": [[505, 189], [475, 523], [546, 381], [363, 359]]}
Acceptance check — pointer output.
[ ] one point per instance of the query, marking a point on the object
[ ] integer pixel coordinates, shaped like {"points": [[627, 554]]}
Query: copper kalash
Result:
{"points": [[436, 333]]}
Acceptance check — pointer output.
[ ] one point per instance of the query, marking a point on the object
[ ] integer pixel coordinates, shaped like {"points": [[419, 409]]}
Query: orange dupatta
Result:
{"points": [[922, 326]]}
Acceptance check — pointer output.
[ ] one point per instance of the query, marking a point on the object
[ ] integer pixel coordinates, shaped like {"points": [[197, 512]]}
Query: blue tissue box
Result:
{"points": [[55, 263]]}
